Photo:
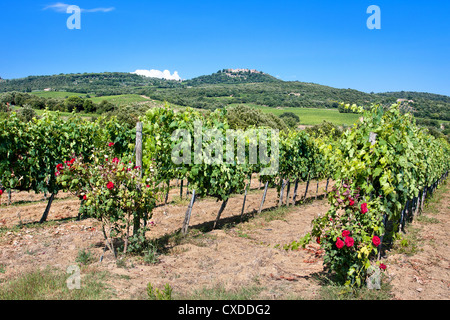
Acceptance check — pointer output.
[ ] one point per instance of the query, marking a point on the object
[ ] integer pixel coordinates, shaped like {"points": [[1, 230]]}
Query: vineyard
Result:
{"points": [[152, 191]]}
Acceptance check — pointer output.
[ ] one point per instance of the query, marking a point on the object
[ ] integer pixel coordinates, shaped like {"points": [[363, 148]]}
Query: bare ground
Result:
{"points": [[237, 255]]}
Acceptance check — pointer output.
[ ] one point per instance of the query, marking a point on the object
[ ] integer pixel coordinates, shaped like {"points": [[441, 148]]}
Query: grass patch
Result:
{"points": [[157, 294], [84, 257], [426, 219], [151, 255], [219, 292], [167, 244], [407, 243], [337, 292], [25, 203], [35, 225], [51, 284], [276, 214], [432, 205], [309, 116]]}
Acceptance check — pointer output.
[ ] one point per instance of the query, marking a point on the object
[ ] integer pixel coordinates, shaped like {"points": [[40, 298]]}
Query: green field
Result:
{"points": [[309, 116], [61, 113], [57, 94]]}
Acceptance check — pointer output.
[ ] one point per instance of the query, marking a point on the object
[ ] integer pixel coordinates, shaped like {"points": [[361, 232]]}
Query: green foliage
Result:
{"points": [[222, 89], [156, 294], [84, 257], [4, 107], [26, 114], [230, 77], [291, 119], [89, 106], [325, 130], [217, 178], [105, 106], [112, 191], [381, 162], [51, 284], [422, 104], [243, 117], [151, 255], [129, 115], [108, 83], [30, 151], [346, 233]]}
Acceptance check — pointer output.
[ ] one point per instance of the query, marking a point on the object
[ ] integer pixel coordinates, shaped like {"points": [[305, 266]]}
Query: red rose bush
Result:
{"points": [[350, 234], [112, 192]]}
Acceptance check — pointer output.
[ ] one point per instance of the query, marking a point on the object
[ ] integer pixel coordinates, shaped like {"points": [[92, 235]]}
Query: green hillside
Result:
{"points": [[232, 76], [229, 87]]}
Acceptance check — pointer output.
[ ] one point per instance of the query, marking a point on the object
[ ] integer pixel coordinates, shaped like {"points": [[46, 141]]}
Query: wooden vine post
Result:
{"points": [[264, 197], [187, 218], [307, 187], [294, 197], [47, 209], [245, 198], [288, 191], [139, 128], [283, 185], [222, 208], [181, 189]]}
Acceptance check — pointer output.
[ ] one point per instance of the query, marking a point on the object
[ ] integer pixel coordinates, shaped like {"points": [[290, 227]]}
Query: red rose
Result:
{"points": [[111, 144], [72, 161], [110, 185], [339, 243], [318, 240], [364, 208], [1, 192], [345, 233], [382, 266], [376, 241], [352, 202], [84, 198], [59, 166], [115, 160], [349, 242]]}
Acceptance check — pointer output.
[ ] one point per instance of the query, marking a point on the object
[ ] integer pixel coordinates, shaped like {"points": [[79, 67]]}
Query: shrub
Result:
{"points": [[350, 234], [111, 191], [84, 257], [156, 294], [26, 114]]}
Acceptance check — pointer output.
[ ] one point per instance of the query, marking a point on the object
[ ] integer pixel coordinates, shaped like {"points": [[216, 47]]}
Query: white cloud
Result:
{"points": [[62, 7], [98, 10], [158, 74]]}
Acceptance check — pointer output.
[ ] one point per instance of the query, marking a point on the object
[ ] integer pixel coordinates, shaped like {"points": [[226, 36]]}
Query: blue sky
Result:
{"points": [[325, 42]]}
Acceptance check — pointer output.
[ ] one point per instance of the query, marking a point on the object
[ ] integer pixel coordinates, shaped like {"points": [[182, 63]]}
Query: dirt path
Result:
{"points": [[421, 269], [236, 256]]}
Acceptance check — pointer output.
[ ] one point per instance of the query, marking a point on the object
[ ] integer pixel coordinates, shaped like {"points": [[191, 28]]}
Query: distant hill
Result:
{"points": [[108, 83], [232, 76], [229, 87]]}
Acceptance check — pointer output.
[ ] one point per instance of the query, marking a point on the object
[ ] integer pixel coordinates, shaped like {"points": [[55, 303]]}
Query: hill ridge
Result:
{"points": [[227, 87]]}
